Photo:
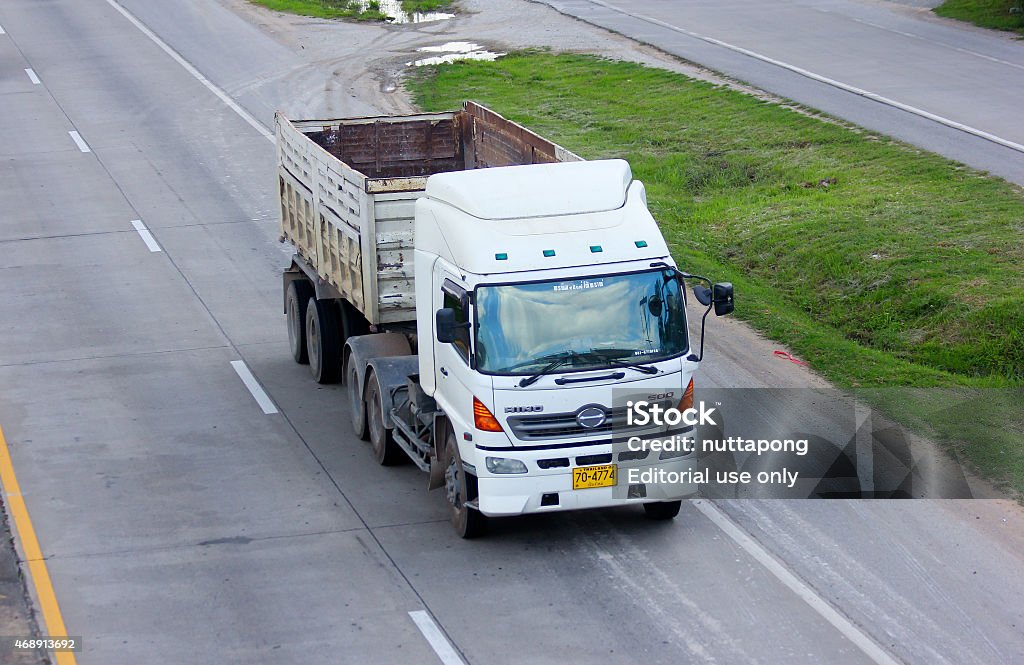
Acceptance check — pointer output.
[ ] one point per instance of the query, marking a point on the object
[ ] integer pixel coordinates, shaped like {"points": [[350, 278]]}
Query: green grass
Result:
{"points": [[984, 428], [426, 5], [349, 9], [880, 264], [997, 14]]}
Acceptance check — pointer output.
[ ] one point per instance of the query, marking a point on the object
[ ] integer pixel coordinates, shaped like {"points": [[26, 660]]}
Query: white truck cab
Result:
{"points": [[567, 286]]}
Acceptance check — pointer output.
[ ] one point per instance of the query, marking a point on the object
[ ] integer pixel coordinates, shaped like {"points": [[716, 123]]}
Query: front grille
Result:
{"points": [[557, 425], [537, 427]]}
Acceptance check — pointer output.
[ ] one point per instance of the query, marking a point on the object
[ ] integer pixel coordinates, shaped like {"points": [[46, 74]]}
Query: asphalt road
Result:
{"points": [[899, 70], [182, 523]]}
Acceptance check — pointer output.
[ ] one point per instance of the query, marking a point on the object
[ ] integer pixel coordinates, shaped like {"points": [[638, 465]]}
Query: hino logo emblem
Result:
{"points": [[591, 417], [524, 409]]}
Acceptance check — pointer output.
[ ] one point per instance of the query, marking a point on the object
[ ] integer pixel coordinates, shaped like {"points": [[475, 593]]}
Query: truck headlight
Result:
{"points": [[505, 465]]}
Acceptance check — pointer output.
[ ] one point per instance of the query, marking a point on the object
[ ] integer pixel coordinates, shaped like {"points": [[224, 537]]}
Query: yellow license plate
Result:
{"points": [[588, 477]]}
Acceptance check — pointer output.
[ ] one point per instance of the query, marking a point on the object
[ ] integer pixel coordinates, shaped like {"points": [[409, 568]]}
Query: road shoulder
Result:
{"points": [[16, 616]]}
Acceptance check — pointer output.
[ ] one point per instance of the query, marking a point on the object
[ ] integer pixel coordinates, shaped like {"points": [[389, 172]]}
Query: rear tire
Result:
{"points": [[662, 510], [385, 450], [460, 488], [356, 405], [352, 321], [295, 302], [322, 344]]}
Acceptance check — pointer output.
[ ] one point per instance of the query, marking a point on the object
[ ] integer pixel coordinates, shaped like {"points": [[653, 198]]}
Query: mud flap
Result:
{"points": [[436, 473], [437, 461]]}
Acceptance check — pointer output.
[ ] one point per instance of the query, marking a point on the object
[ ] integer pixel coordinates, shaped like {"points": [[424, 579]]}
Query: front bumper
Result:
{"points": [[518, 495]]}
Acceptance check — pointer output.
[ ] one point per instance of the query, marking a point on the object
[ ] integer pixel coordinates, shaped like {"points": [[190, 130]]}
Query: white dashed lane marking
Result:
{"points": [[254, 387], [147, 237], [79, 141]]}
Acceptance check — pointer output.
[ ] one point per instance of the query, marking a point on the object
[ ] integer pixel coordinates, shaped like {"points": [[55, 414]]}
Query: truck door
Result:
{"points": [[453, 360]]}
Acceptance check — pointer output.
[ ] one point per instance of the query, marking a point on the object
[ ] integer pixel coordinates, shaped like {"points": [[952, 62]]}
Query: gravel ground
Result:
{"points": [[364, 62]]}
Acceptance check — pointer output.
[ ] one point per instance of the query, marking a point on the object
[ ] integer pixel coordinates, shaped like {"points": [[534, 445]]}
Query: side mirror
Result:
{"points": [[446, 326], [722, 298], [703, 294]]}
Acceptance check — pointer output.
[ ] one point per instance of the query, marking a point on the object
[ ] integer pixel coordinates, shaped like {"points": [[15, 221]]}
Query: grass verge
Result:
{"points": [[426, 5], [369, 10], [996, 14], [880, 264], [350, 9]]}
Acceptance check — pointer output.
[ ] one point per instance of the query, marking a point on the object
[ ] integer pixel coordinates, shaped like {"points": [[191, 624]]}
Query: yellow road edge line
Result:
{"points": [[38, 574]]}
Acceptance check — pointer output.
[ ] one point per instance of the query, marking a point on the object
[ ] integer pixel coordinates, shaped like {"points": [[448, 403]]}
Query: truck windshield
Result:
{"points": [[593, 323]]}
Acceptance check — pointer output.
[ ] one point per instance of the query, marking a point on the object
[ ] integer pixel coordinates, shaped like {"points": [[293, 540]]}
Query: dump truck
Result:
{"points": [[493, 304]]}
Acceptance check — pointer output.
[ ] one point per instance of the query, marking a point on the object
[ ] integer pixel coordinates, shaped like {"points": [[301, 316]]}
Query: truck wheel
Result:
{"points": [[468, 523], [356, 405], [385, 450], [322, 344], [352, 321], [662, 510], [299, 293]]}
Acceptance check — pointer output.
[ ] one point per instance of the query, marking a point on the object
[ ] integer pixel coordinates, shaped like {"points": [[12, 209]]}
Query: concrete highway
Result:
{"points": [[186, 516], [889, 66]]}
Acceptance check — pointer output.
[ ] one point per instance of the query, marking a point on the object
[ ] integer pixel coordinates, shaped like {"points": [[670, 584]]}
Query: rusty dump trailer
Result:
{"points": [[348, 189]]}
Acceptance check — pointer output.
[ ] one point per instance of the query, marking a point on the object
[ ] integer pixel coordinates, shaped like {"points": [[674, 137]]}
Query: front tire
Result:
{"points": [[385, 450], [322, 344], [460, 488], [662, 510]]}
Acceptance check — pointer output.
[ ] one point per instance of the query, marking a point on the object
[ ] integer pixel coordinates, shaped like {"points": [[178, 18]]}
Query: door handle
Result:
{"points": [[444, 371]]}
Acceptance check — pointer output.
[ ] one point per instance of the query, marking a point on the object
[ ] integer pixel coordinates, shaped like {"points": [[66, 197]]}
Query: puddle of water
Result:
{"points": [[453, 51], [452, 47], [395, 13]]}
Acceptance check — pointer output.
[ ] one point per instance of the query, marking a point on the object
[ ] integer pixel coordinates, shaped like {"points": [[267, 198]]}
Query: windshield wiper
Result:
{"points": [[565, 357], [559, 360], [620, 362]]}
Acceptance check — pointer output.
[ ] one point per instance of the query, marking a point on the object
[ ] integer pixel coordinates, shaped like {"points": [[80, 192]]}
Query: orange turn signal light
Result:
{"points": [[687, 401], [483, 419]]}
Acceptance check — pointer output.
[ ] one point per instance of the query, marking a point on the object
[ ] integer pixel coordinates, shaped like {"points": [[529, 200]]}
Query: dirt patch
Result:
{"points": [[352, 65]]}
